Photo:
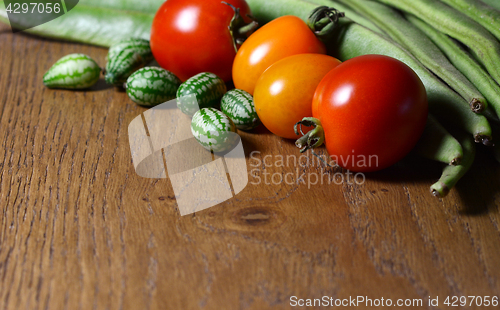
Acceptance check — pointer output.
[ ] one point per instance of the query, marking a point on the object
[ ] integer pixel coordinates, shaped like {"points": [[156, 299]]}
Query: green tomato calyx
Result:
{"points": [[239, 28], [323, 21], [311, 139]]}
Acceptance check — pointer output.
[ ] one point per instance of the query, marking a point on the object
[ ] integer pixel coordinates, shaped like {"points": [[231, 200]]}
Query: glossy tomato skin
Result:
{"points": [[373, 109], [192, 36], [284, 92], [282, 37]]}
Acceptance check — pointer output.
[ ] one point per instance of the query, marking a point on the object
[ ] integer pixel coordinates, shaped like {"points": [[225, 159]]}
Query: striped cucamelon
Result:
{"points": [[214, 130], [74, 71], [150, 86], [208, 89], [238, 105], [124, 58]]}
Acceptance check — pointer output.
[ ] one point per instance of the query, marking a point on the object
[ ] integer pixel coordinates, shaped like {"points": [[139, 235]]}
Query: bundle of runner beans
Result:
{"points": [[452, 45]]}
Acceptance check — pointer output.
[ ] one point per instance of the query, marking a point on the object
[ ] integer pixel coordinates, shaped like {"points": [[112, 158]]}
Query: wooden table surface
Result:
{"points": [[79, 229]]}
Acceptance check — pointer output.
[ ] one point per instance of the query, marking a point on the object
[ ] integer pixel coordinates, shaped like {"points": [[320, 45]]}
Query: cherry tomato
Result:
{"points": [[192, 36], [373, 109], [284, 92], [282, 37]]}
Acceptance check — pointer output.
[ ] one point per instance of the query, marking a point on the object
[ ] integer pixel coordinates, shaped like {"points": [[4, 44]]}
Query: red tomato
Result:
{"points": [[192, 36], [282, 37], [284, 92], [373, 109]]}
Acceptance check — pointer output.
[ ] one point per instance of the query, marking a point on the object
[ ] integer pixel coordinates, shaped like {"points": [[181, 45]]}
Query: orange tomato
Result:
{"points": [[282, 37], [284, 92]]}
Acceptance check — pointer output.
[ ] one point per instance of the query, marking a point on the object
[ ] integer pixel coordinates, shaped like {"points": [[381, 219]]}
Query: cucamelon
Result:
{"points": [[74, 71], [214, 130], [206, 87], [238, 105], [124, 58], [150, 86]]}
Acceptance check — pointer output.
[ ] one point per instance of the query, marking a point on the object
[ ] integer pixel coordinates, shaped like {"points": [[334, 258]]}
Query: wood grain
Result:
{"points": [[80, 230]]}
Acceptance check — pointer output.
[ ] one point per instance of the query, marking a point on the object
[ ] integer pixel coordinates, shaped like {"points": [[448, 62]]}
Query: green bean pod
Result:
{"points": [[480, 12], [436, 143], [463, 61], [451, 174], [420, 46], [457, 25], [265, 11], [150, 6], [94, 25], [494, 4]]}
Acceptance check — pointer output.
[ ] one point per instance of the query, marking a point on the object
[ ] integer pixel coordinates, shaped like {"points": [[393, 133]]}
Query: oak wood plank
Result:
{"points": [[80, 230]]}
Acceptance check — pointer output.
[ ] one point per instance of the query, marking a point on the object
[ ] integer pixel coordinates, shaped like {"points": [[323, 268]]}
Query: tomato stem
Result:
{"points": [[323, 21], [313, 138], [239, 29]]}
